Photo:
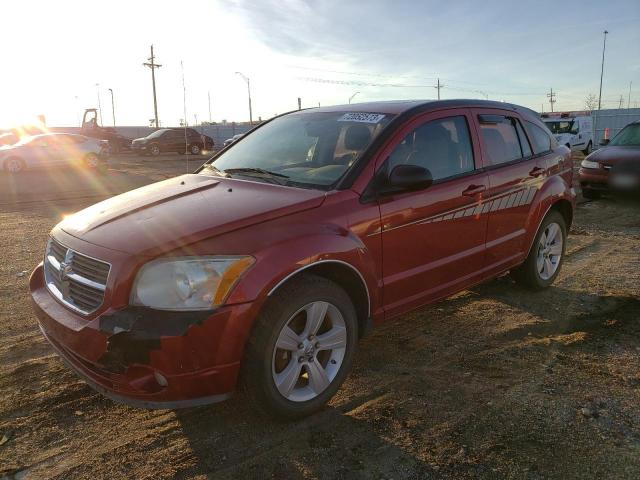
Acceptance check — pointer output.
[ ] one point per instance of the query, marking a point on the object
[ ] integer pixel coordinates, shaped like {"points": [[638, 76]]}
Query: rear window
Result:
{"points": [[541, 141], [500, 138]]}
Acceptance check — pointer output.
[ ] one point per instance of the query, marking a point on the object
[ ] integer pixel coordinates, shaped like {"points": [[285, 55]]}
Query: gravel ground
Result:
{"points": [[494, 382]]}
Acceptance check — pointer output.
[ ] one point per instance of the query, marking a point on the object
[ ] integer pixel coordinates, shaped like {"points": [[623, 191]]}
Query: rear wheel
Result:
{"points": [[301, 349], [542, 266], [588, 150], [194, 149], [14, 165]]}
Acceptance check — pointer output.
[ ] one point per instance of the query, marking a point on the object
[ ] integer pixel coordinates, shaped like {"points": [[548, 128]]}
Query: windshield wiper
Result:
{"points": [[255, 170]]}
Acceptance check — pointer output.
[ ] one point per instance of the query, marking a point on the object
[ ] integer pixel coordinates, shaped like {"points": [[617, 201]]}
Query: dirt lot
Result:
{"points": [[495, 382]]}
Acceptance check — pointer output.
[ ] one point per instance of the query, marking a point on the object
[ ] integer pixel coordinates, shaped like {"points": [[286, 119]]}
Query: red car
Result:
{"points": [[615, 166], [266, 266]]}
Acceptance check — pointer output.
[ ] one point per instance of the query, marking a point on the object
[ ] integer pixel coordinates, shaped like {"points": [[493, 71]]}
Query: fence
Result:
{"points": [[615, 119]]}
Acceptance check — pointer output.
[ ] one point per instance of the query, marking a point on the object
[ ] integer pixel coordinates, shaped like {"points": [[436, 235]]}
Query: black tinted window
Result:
{"points": [[443, 146], [500, 139], [524, 142], [540, 140]]}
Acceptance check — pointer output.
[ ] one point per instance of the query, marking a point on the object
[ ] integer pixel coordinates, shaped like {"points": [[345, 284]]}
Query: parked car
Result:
{"points": [[616, 165], [173, 140], [267, 265], [229, 141], [54, 150], [572, 129], [8, 138]]}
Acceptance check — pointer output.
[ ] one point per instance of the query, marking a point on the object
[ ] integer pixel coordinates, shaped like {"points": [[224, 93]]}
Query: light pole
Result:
{"points": [[246, 79], [113, 108], [99, 106], [604, 45], [352, 96]]}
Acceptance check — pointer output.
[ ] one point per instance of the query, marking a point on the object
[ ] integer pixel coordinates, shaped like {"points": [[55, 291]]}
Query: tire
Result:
{"points": [[531, 274], [14, 165], [194, 149], [590, 194], [154, 150], [92, 161], [588, 150], [325, 369]]}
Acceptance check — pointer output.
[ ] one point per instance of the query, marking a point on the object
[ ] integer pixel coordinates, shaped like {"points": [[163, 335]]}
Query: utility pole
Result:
{"points": [[113, 108], [99, 105], [604, 45], [621, 102], [552, 98], [353, 96], [209, 98], [246, 79], [438, 87], [299, 103], [629, 99], [152, 65]]}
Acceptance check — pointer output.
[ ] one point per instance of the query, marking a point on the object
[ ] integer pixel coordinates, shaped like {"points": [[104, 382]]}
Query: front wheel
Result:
{"points": [[14, 165], [154, 150], [194, 149], [588, 150], [543, 263], [301, 349]]}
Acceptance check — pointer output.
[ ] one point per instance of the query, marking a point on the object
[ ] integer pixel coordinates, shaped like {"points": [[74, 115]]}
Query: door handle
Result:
{"points": [[472, 190], [536, 172]]}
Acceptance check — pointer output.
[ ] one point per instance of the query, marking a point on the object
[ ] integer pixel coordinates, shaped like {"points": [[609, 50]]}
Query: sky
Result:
{"points": [[59, 56]]}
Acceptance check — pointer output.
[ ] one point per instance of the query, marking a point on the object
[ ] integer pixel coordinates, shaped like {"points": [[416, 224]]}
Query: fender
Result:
{"points": [[281, 261], [553, 190]]}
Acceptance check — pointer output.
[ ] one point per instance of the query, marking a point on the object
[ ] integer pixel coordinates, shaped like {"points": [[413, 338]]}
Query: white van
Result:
{"points": [[573, 129]]}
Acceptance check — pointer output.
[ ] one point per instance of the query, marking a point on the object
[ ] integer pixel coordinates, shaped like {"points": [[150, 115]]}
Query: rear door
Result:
{"points": [[515, 175], [433, 240]]}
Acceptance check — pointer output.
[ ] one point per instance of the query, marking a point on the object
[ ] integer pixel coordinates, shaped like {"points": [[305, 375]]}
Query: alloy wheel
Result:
{"points": [[550, 247], [309, 351]]}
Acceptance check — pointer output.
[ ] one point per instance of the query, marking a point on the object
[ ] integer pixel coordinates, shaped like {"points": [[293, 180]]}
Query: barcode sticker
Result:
{"points": [[361, 117]]}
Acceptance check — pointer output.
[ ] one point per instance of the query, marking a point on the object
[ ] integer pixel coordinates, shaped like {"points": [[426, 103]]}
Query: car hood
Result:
{"points": [[180, 211], [614, 155]]}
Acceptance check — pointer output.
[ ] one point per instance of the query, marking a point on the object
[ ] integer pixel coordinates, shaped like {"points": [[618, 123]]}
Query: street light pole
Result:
{"points": [[604, 45], [246, 79], [113, 108], [352, 96]]}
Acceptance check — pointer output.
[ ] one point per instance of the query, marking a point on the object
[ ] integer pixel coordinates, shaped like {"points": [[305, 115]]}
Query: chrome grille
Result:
{"points": [[76, 280]]}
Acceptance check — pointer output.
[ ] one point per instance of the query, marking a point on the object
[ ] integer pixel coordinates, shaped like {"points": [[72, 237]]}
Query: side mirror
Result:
{"points": [[604, 141], [410, 177]]}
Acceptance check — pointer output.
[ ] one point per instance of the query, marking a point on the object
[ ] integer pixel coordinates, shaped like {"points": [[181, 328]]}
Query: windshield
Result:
{"points": [[156, 134], [628, 136], [306, 149], [558, 127]]}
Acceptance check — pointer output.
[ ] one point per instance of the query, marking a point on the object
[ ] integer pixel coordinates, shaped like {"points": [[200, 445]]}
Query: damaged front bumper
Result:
{"points": [[148, 358]]}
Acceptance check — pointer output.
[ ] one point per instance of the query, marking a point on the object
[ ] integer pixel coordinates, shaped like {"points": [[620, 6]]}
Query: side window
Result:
{"points": [[500, 138], [443, 146], [541, 141], [524, 143]]}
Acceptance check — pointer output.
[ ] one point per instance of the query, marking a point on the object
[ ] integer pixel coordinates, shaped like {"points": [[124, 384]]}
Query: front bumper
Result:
{"points": [[148, 358], [593, 178], [138, 147]]}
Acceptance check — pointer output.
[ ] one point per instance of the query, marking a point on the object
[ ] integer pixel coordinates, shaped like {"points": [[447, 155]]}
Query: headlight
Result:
{"points": [[589, 164], [187, 283]]}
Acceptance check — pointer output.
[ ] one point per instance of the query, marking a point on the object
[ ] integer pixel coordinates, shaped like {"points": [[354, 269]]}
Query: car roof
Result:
{"points": [[396, 107]]}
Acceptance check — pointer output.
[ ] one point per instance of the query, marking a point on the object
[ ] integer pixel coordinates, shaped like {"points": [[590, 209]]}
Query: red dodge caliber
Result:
{"points": [[265, 267]]}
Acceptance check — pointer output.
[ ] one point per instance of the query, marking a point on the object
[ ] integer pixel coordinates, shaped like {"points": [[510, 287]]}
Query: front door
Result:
{"points": [[433, 240]]}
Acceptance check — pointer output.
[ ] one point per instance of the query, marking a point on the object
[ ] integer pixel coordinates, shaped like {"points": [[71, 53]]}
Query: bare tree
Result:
{"points": [[591, 102]]}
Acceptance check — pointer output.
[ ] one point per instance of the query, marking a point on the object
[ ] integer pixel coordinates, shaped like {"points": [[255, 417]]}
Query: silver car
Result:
{"points": [[53, 150]]}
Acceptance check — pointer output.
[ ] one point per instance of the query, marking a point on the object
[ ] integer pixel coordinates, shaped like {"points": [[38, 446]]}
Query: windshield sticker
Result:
{"points": [[361, 117]]}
